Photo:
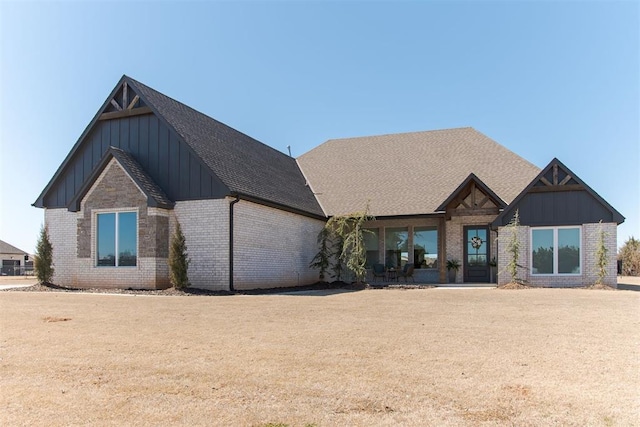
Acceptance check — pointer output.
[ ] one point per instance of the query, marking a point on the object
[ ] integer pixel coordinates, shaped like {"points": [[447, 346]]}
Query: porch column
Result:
{"points": [[442, 251]]}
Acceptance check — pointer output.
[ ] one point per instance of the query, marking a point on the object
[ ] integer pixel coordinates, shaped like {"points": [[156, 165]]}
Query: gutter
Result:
{"points": [[231, 204]]}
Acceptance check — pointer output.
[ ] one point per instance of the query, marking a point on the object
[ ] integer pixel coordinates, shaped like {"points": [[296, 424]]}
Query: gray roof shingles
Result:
{"points": [[245, 165], [135, 171], [410, 173], [6, 248]]}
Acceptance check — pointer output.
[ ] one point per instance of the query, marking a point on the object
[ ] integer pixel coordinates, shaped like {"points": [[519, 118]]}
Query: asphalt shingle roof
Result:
{"points": [[410, 173], [144, 181], [243, 164], [6, 248]]}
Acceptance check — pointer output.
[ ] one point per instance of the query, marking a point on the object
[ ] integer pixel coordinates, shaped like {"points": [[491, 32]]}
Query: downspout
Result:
{"points": [[233, 202]]}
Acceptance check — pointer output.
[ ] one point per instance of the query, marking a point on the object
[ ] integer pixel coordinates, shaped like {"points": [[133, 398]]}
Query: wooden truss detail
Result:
{"points": [[471, 201], [556, 184], [127, 107]]}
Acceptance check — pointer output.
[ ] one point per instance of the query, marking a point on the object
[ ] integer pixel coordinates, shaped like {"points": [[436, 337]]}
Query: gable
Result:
{"points": [[557, 196], [472, 197], [125, 121], [153, 193], [188, 154], [114, 188]]}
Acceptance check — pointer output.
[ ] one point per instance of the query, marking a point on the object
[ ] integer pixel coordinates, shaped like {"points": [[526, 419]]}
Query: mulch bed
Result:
{"points": [[48, 287]]}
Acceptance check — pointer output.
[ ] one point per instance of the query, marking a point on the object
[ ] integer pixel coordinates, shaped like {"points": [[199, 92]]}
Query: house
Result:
{"points": [[15, 262], [251, 214]]}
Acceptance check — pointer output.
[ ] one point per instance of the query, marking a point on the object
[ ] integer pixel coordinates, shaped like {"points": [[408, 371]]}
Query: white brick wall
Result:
{"points": [[273, 248], [589, 236], [62, 226], [504, 237], [205, 225], [83, 272]]}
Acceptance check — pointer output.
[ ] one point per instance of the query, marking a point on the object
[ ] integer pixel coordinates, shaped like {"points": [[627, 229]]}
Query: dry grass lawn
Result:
{"points": [[375, 357]]}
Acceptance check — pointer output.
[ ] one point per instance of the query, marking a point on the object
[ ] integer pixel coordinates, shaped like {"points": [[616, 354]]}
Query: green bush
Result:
{"points": [[178, 260], [602, 259], [43, 260], [629, 254], [322, 259]]}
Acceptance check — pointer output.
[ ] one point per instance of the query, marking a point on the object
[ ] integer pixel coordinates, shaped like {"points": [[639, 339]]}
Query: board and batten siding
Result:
{"points": [[560, 208], [160, 151]]}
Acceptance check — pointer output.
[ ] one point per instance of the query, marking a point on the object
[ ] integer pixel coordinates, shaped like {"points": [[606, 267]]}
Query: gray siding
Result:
{"points": [[159, 150], [559, 208]]}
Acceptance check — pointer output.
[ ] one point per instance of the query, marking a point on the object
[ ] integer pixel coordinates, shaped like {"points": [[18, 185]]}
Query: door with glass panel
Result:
{"points": [[476, 254]]}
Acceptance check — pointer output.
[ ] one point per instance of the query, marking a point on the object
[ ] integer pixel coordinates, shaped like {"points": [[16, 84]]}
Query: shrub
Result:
{"points": [[629, 254], [336, 251], [602, 260], [321, 260], [349, 229], [513, 248], [43, 260], [178, 260]]}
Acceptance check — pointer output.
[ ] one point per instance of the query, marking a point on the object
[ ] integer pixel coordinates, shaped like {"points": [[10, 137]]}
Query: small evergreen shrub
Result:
{"points": [[602, 259], [178, 260], [322, 259], [513, 248], [43, 260]]}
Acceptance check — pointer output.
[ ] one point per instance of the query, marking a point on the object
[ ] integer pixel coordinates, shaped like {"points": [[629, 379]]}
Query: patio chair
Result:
{"points": [[379, 271], [407, 272]]}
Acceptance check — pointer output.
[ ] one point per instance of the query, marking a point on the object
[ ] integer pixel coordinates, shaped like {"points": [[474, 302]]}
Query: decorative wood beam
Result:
{"points": [[477, 211], [552, 188], [125, 98], [545, 181], [565, 180], [125, 113], [483, 201], [133, 102], [115, 104], [442, 252], [555, 174], [473, 194]]}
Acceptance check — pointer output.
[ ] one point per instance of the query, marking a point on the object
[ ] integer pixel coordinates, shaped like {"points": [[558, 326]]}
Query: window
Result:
{"points": [[371, 244], [425, 247], [117, 239], [555, 250], [396, 246]]}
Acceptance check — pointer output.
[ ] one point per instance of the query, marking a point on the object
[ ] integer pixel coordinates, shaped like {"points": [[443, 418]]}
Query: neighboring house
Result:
{"points": [[15, 262], [251, 214]]}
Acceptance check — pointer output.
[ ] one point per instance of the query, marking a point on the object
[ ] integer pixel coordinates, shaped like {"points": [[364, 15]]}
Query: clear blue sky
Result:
{"points": [[545, 79]]}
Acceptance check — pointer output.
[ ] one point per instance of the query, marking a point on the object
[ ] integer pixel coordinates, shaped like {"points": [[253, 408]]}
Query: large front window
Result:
{"points": [[117, 239], [555, 250], [425, 247], [396, 243]]}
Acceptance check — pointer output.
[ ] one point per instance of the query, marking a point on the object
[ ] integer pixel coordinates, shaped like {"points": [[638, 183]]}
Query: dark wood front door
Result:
{"points": [[476, 254]]}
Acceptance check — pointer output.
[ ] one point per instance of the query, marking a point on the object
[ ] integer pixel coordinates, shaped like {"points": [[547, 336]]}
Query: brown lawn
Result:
{"points": [[375, 357]]}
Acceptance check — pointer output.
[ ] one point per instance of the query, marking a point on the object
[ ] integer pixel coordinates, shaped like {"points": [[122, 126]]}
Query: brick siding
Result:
{"points": [[75, 264], [273, 248], [205, 225], [589, 237]]}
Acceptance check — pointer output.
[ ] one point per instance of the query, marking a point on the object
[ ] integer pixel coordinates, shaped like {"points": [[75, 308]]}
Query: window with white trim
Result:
{"points": [[556, 251], [117, 239]]}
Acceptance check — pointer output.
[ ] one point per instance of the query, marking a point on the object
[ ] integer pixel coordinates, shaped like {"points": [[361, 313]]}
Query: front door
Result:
{"points": [[476, 254]]}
